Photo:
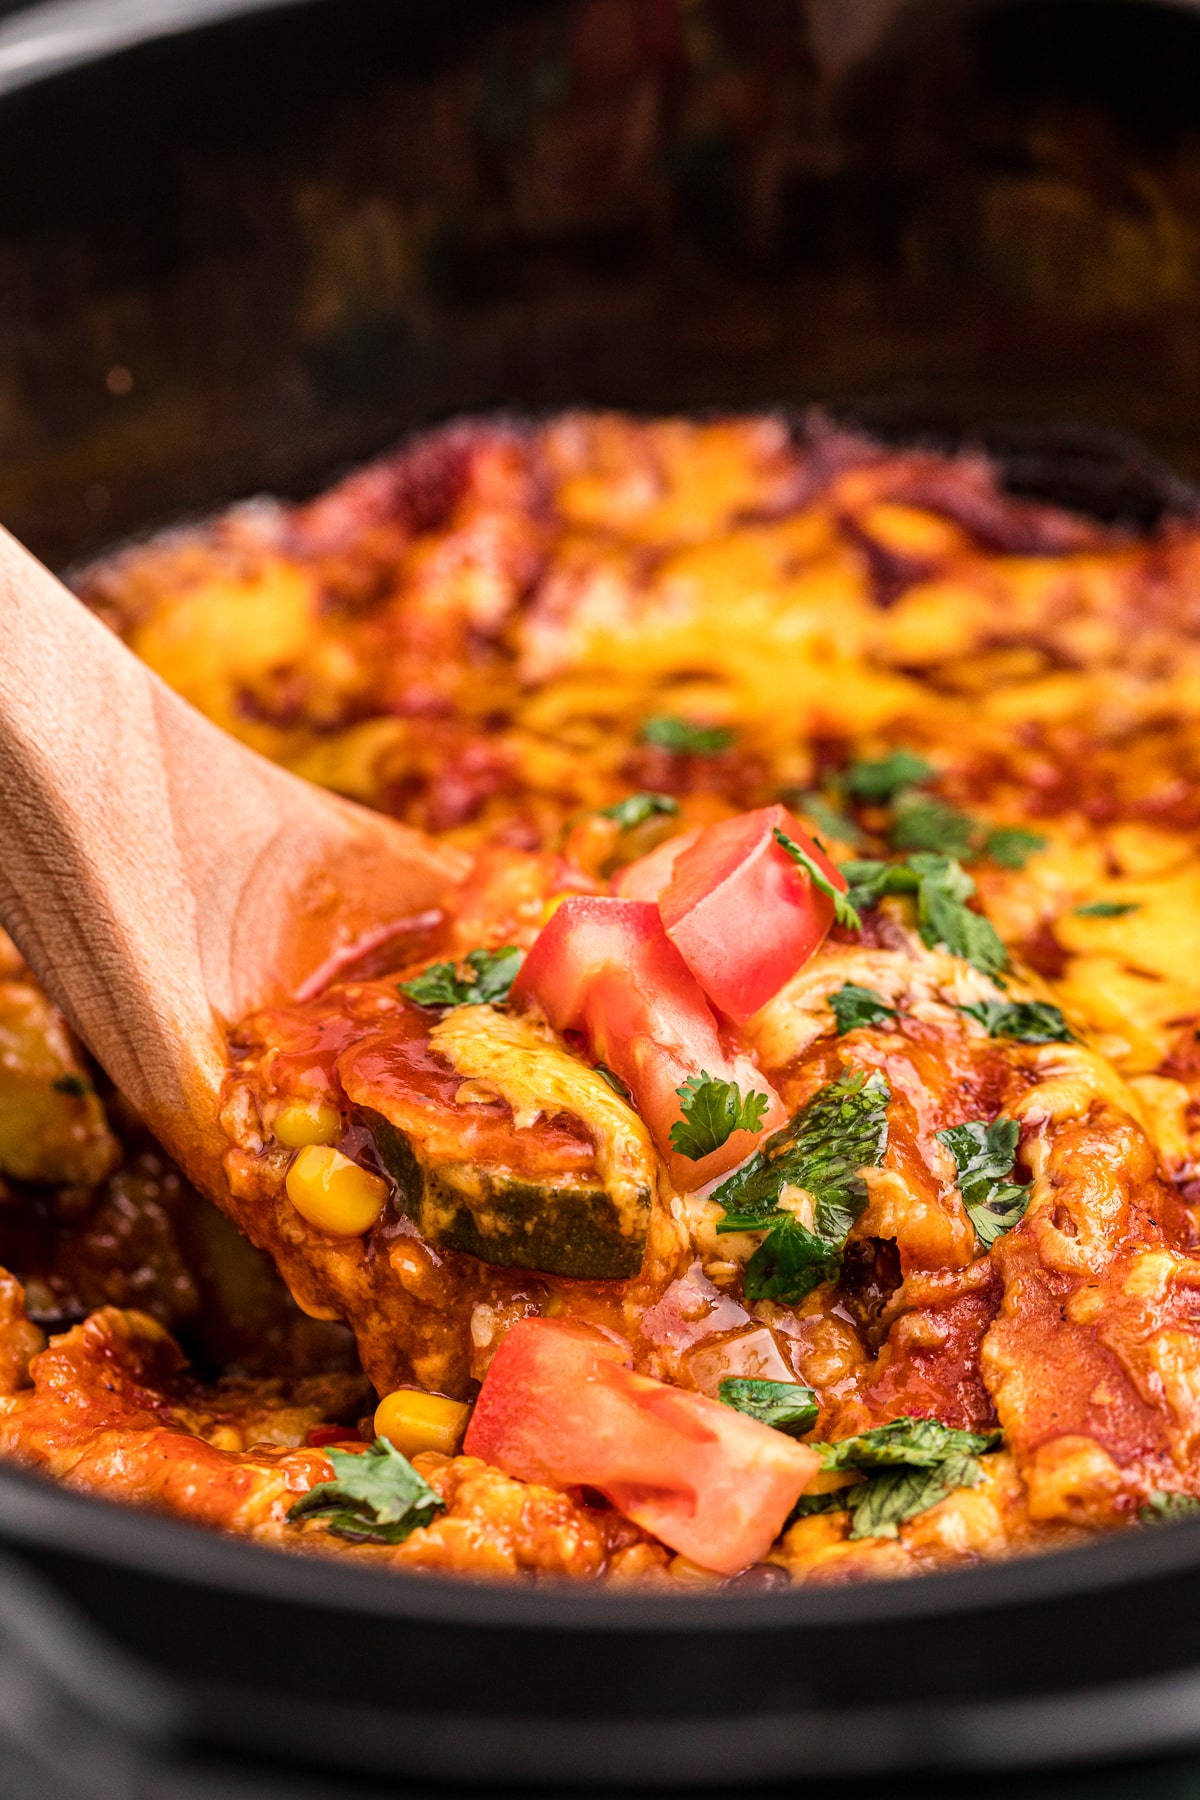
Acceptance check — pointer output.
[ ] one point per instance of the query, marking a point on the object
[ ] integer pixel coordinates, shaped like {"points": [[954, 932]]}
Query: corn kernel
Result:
{"points": [[412, 1421], [333, 1193], [552, 905], [301, 1122]]}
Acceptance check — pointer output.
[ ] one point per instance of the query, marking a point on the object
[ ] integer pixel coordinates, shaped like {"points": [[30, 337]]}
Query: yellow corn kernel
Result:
{"points": [[300, 1122], [412, 1421], [333, 1193], [552, 905]]}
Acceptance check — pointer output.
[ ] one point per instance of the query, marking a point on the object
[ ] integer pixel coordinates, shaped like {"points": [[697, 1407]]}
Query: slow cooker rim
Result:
{"points": [[51, 37], [38, 1515]]}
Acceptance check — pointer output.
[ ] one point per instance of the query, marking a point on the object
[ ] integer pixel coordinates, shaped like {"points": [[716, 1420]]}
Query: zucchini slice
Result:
{"points": [[502, 1144]]}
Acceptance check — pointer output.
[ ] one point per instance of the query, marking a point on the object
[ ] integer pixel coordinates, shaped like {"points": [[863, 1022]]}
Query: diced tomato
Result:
{"points": [[646, 878], [557, 1406], [741, 913], [320, 1435], [607, 968]]}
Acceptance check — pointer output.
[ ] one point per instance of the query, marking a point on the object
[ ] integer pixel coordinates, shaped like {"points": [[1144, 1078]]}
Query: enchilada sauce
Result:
{"points": [[574, 650]]}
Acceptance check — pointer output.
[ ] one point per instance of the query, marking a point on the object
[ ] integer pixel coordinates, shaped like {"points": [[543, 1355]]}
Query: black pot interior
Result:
{"points": [[240, 259]]}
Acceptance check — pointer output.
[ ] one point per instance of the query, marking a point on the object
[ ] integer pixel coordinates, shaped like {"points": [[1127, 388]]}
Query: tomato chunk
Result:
{"points": [[557, 1406], [741, 913], [646, 878], [607, 968]]}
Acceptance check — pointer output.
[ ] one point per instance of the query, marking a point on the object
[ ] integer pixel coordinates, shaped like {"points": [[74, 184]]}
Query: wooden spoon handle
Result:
{"points": [[159, 878]]}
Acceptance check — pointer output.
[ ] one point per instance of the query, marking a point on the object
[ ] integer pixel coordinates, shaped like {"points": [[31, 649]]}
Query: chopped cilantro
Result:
{"points": [[635, 809], [1168, 1504], [712, 1111], [825, 817], [492, 973], [838, 1133], [922, 822], [942, 887], [1011, 847], [1107, 909], [72, 1084], [915, 1443], [685, 738], [984, 1155], [878, 1507], [784, 1404], [1028, 1021], [854, 1006], [843, 912], [871, 879], [877, 782], [808, 1504], [910, 1465], [614, 1081], [375, 1497], [943, 917], [790, 1262]]}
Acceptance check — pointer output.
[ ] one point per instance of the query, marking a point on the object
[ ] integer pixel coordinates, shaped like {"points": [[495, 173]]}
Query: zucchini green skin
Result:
{"points": [[567, 1228]]}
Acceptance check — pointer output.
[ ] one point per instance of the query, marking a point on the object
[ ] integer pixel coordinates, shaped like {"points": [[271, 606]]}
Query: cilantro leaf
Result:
{"points": [[375, 1497], [916, 1443], [984, 1156], [854, 1006], [878, 781], [74, 1085], [1011, 847], [1166, 1505], [614, 1081], [491, 975], [943, 917], [880, 1506], [822, 1150], [712, 1111], [922, 822], [685, 738], [910, 1465], [871, 879], [843, 912], [783, 1404], [942, 887], [1027, 1021], [1107, 909], [635, 809], [808, 1504], [825, 817], [790, 1262], [841, 1130]]}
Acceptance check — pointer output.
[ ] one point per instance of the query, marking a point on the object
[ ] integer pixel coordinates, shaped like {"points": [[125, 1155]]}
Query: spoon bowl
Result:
{"points": [[161, 879]]}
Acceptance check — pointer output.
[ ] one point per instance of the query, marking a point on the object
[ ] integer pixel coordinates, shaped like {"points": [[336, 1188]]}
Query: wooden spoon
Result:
{"points": [[159, 878]]}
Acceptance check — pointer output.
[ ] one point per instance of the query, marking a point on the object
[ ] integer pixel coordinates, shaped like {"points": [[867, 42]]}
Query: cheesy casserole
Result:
{"points": [[776, 1161]]}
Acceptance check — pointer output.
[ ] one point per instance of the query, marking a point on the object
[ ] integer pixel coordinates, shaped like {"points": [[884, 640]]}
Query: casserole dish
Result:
{"points": [[466, 343]]}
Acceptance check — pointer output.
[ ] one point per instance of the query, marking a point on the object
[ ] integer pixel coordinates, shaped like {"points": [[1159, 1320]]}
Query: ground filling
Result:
{"points": [[499, 635]]}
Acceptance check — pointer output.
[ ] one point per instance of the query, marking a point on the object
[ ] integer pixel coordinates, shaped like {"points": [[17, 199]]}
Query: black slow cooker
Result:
{"points": [[243, 246]]}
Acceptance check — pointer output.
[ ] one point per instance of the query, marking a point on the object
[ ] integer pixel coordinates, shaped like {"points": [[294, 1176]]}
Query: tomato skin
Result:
{"points": [[558, 1406], [607, 968], [646, 878], [741, 913]]}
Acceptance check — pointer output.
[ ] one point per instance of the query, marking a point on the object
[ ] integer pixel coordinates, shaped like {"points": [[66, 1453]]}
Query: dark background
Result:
{"points": [[244, 266]]}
